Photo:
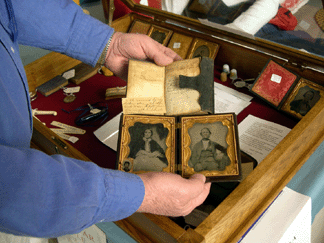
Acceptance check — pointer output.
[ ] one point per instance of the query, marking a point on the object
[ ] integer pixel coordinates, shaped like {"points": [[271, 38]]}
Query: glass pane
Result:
{"points": [[294, 23]]}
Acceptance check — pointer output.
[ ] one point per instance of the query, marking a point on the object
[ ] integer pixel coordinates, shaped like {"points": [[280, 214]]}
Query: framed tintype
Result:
{"points": [[160, 34], [180, 44], [146, 143], [202, 48], [209, 145], [274, 84], [185, 145], [139, 27], [303, 97]]}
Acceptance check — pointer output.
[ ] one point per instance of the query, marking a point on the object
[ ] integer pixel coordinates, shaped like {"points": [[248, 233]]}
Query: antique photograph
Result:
{"points": [[210, 146], [202, 48], [127, 165], [160, 34], [304, 96], [147, 144]]}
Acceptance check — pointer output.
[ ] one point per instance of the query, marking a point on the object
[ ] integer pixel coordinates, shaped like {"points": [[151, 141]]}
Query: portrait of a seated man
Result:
{"points": [[207, 154]]}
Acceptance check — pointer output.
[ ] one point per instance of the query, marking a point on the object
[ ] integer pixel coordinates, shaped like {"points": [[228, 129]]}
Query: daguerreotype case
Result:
{"points": [[194, 33], [286, 91], [186, 145]]}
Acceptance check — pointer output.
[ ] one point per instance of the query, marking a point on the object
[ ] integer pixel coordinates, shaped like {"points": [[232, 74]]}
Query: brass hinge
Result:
{"points": [[300, 66], [178, 126]]}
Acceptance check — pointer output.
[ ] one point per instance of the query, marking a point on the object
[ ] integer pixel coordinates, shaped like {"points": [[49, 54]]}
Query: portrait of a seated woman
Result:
{"points": [[147, 153]]}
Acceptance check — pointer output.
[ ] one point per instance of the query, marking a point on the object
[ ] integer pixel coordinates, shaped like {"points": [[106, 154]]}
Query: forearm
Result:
{"points": [[47, 196], [61, 26]]}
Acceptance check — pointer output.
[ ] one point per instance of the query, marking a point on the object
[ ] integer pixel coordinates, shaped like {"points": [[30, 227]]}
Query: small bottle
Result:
{"points": [[233, 74], [226, 69], [223, 77]]}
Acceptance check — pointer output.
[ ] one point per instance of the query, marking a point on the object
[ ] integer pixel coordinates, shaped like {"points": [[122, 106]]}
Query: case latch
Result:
{"points": [[300, 66]]}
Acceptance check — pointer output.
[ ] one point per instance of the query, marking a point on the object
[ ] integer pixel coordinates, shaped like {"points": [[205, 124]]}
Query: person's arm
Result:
{"points": [[49, 196], [61, 26]]}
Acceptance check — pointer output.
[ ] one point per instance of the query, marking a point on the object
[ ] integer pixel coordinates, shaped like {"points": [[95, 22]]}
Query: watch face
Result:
{"points": [[69, 98]]}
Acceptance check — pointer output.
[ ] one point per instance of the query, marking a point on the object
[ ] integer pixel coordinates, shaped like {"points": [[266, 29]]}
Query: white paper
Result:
{"points": [[288, 219], [108, 132], [259, 137], [69, 74], [229, 100], [90, 235]]}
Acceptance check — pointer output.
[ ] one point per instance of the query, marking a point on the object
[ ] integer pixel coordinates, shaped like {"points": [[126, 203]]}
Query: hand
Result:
{"points": [[171, 195], [136, 46]]}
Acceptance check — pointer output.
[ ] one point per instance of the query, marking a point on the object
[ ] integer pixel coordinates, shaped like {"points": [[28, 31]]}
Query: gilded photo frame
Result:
{"points": [[160, 34], [190, 129], [204, 48], [132, 124], [299, 102]]}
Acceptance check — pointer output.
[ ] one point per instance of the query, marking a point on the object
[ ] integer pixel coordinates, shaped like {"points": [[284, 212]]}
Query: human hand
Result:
{"points": [[171, 195], [136, 46]]}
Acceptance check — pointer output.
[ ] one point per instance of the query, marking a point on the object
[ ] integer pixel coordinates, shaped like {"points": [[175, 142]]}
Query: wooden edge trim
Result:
{"points": [[234, 216], [42, 139], [191, 236]]}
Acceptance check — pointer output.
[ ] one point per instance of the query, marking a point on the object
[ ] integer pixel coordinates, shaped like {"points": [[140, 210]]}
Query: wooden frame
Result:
{"points": [[233, 217]]}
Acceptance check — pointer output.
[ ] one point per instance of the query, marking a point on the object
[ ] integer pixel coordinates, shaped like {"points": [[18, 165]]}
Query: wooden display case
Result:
{"points": [[235, 215]]}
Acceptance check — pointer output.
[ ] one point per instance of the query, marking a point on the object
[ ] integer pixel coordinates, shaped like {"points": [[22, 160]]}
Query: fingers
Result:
{"points": [[160, 54]]}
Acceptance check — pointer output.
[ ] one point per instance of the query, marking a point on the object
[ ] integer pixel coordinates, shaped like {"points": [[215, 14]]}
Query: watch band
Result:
{"points": [[102, 58]]}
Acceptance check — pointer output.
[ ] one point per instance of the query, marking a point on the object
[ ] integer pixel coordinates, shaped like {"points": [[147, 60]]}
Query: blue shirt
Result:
{"points": [[41, 195]]}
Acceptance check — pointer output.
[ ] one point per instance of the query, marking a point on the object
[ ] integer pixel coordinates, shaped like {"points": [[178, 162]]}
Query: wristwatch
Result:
{"points": [[102, 58]]}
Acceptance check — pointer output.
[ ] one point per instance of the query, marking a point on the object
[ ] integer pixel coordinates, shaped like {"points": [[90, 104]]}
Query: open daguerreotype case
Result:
{"points": [[206, 144], [168, 122]]}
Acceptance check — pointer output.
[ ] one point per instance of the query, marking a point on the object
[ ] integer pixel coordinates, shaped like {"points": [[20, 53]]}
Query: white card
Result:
{"points": [[276, 78]]}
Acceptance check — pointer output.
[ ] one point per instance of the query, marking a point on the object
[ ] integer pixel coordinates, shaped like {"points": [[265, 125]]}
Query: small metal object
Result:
{"points": [[69, 98], [223, 77], [240, 83], [226, 69], [233, 74]]}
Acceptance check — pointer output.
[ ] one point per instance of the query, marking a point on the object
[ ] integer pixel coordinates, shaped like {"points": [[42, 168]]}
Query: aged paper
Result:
{"points": [[147, 105], [259, 137], [181, 101], [145, 89], [155, 90]]}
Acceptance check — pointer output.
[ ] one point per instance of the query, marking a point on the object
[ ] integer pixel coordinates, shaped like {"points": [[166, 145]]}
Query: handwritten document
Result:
{"points": [[259, 137], [90, 235], [152, 89], [153, 105]]}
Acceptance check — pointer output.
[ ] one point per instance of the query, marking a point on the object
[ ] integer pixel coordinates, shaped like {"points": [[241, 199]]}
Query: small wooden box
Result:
{"points": [[235, 215]]}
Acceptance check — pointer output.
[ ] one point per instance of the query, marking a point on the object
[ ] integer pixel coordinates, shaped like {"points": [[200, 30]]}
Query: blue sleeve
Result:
{"points": [[50, 196], [61, 26]]}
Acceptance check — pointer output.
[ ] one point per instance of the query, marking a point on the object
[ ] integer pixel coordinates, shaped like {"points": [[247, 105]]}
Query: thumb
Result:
{"points": [[198, 186]]}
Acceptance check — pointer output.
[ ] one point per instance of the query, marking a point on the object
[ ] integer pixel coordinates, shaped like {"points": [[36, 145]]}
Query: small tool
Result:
{"points": [[38, 112]]}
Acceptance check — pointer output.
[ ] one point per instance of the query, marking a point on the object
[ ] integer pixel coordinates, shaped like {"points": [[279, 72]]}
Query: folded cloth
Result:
{"points": [[284, 19]]}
